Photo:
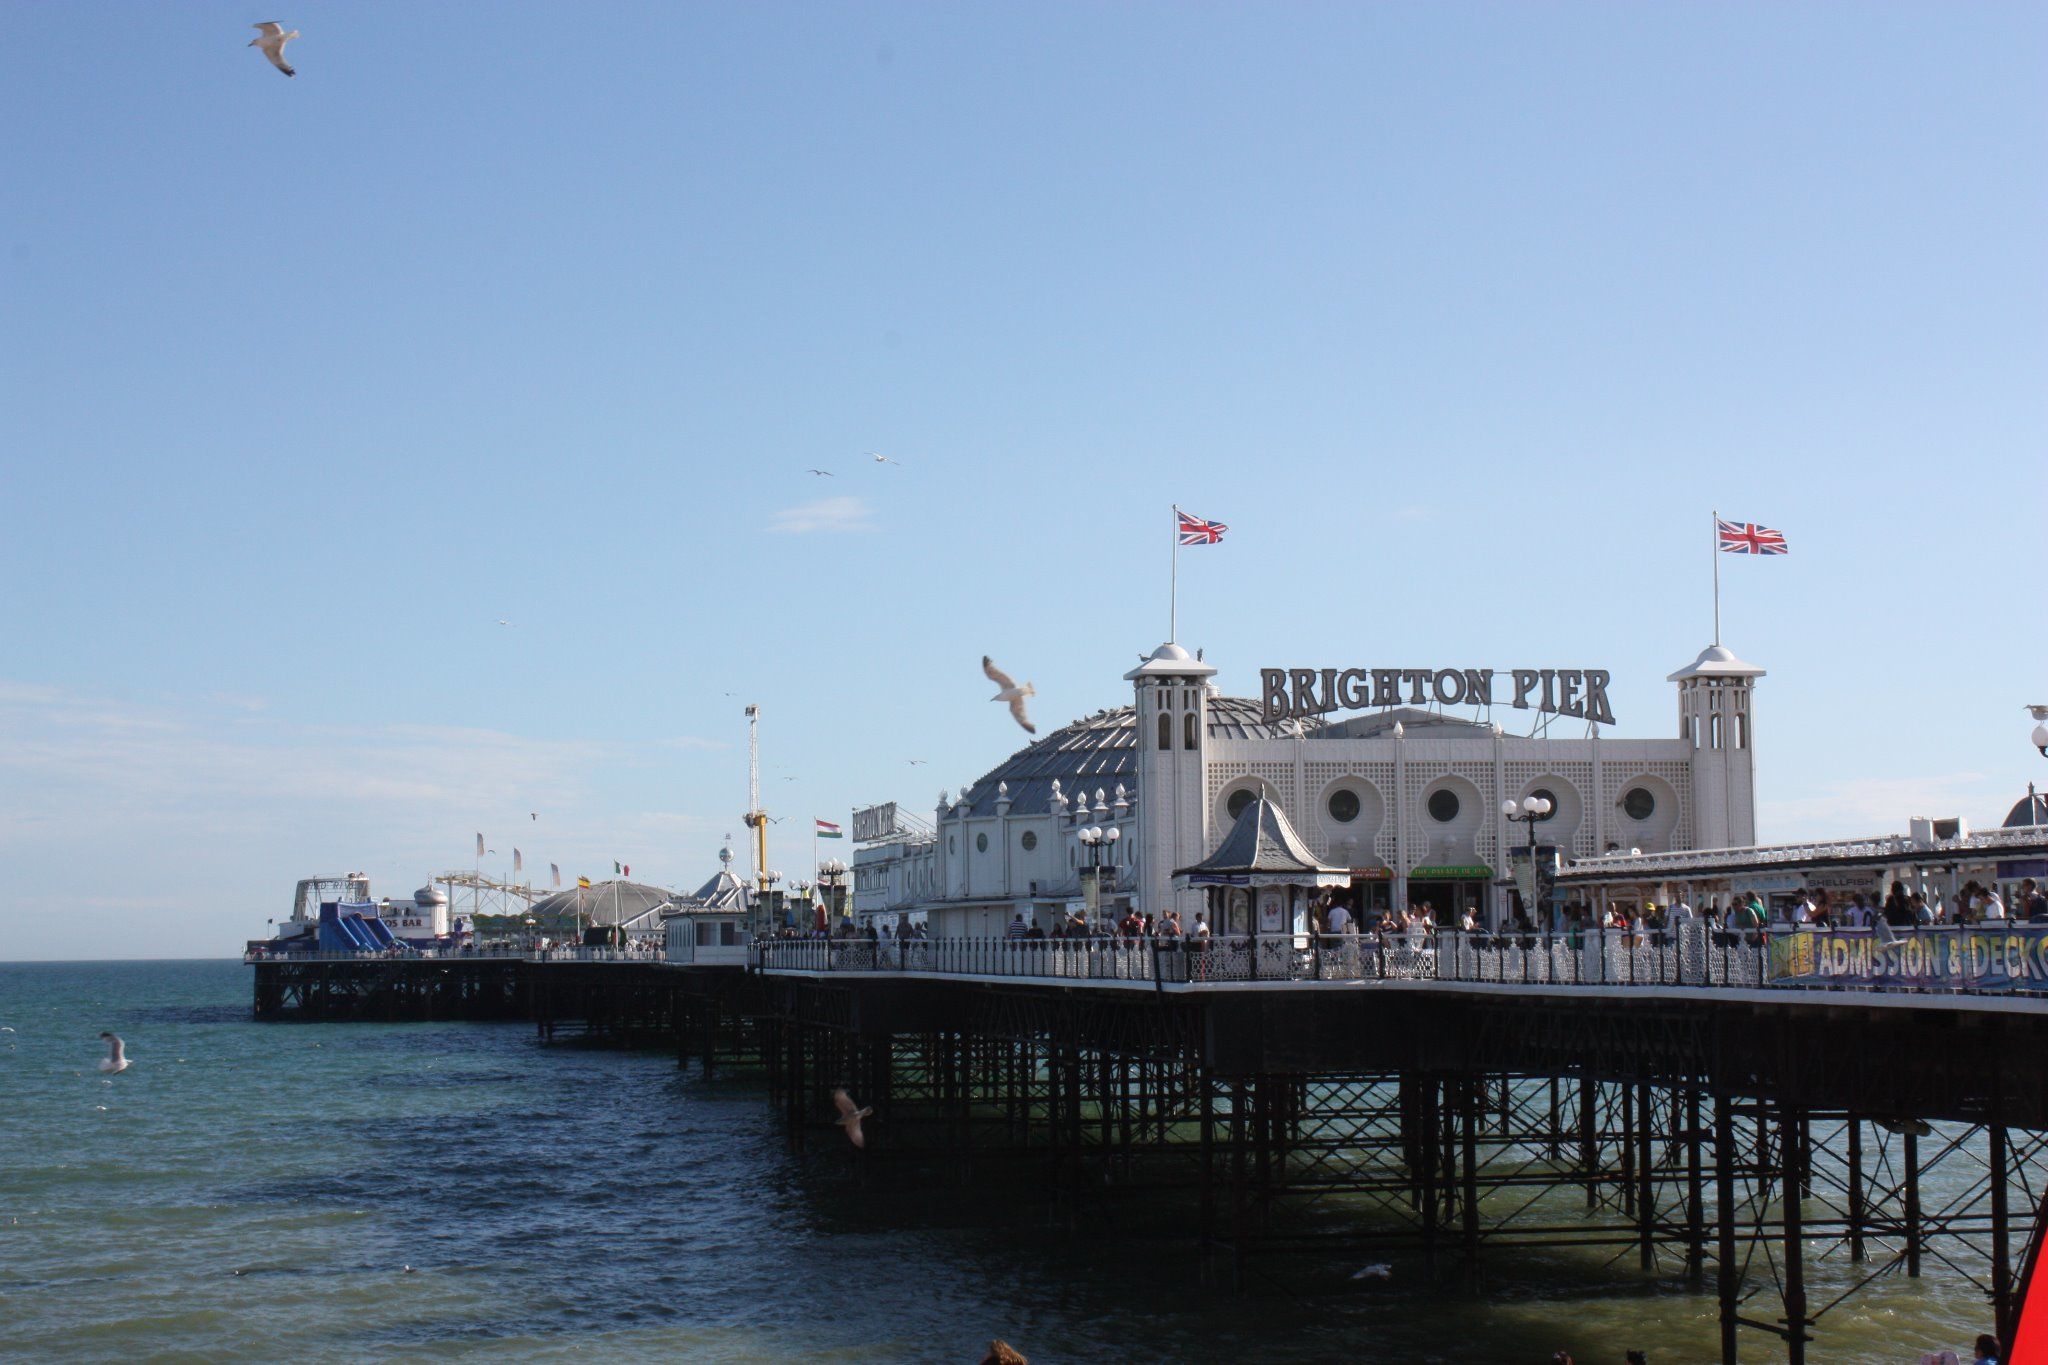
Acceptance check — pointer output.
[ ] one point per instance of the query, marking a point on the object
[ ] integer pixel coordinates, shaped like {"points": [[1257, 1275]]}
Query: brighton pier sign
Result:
{"points": [[1579, 692]]}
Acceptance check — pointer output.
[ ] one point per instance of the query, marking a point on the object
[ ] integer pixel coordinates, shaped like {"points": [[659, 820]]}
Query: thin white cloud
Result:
{"points": [[824, 514]]}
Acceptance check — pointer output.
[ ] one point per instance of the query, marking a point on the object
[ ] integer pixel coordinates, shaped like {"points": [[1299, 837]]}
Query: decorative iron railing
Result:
{"points": [[1945, 960]]}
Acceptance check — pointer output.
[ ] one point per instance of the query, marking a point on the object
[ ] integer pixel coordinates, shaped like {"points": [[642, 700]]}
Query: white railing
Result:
{"points": [[1693, 955], [387, 955]]}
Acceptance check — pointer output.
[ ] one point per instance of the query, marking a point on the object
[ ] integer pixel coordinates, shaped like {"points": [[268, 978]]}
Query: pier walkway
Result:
{"points": [[2004, 964]]}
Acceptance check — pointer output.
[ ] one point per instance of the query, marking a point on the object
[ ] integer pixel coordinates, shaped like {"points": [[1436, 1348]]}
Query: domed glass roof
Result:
{"points": [[2032, 809], [614, 902], [1095, 751]]}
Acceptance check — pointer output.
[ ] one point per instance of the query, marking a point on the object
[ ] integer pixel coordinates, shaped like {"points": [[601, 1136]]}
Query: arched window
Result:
{"points": [[1165, 731], [1741, 729], [1714, 731], [1188, 731]]}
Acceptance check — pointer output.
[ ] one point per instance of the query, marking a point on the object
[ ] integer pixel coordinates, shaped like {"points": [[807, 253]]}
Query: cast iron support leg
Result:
{"points": [[1728, 1285]]}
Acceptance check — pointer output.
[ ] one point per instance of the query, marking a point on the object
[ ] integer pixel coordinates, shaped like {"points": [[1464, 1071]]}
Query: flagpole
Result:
{"points": [[1714, 546], [1173, 579]]}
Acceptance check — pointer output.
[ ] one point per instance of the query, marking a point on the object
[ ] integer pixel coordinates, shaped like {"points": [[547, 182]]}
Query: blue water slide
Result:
{"points": [[379, 932], [337, 935]]}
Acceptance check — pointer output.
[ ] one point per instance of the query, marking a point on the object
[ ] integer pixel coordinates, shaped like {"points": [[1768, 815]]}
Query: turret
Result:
{"points": [[1717, 721], [1173, 801]]}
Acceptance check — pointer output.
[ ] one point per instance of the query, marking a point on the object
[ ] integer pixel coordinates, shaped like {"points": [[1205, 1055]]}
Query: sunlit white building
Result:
{"points": [[1407, 797]]}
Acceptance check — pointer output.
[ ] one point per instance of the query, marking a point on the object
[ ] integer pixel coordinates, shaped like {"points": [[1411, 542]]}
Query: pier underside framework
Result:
{"points": [[1788, 1158], [1778, 1157]]}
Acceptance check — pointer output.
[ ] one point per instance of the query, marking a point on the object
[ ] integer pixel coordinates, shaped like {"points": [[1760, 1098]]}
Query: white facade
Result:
{"points": [[1408, 799]]}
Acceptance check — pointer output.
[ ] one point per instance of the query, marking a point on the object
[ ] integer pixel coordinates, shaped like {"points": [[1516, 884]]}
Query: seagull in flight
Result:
{"points": [[915, 762], [271, 37], [822, 473], [880, 458], [850, 1116], [117, 1056], [503, 622], [1010, 692]]}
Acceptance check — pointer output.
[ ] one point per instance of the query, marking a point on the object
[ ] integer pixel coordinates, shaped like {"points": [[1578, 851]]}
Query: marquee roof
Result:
{"points": [[630, 905]]}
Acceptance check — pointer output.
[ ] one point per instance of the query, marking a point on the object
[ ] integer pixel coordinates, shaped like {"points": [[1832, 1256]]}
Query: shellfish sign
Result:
{"points": [[1579, 692]]}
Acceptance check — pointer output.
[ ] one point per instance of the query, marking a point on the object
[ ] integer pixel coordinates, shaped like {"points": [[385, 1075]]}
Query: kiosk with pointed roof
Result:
{"points": [[1261, 877]]}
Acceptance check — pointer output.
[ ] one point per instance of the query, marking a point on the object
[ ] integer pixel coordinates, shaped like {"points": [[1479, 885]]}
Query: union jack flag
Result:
{"points": [[1748, 538], [1195, 531]]}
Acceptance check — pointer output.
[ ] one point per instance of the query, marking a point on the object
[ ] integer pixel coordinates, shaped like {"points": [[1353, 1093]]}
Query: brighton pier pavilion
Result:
{"points": [[1397, 805]]}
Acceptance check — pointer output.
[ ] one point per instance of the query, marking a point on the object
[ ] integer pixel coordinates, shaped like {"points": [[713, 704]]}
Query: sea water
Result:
{"points": [[407, 1191]]}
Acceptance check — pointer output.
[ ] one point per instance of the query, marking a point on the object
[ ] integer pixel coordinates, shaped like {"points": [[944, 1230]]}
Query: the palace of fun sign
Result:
{"points": [[1982, 959]]}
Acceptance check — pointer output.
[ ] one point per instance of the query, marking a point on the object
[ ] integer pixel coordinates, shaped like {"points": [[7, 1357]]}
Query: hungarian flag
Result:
{"points": [[1195, 531], [828, 830], [1748, 538]]}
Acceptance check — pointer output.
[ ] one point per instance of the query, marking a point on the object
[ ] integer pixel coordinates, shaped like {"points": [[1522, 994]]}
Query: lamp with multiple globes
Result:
{"points": [[1530, 811], [1095, 839]]}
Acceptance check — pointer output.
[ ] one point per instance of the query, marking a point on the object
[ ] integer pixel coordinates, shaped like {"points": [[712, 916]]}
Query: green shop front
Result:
{"points": [[1450, 889]]}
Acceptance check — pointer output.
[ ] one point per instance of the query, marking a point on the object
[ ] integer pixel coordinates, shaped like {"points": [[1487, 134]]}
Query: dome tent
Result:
{"points": [[632, 906]]}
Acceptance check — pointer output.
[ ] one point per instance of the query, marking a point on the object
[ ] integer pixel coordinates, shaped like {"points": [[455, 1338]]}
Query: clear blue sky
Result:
{"points": [[1462, 316]]}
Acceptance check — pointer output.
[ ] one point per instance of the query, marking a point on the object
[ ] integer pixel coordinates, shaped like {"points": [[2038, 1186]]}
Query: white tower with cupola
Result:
{"points": [[1172, 727], [1716, 718]]}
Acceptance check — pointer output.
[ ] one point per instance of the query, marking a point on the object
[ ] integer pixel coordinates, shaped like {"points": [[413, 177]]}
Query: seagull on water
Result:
{"points": [[117, 1056], [271, 37], [1010, 692], [850, 1116], [1378, 1270]]}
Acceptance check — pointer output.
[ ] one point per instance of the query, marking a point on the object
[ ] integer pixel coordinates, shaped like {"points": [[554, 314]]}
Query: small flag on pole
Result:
{"points": [[1195, 531], [555, 872], [479, 845], [617, 871], [583, 882], [626, 871], [1748, 538], [828, 830], [517, 864]]}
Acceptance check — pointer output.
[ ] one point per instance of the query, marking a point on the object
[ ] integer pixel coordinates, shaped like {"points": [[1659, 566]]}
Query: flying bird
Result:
{"points": [[117, 1056], [915, 762], [850, 1116], [822, 473], [503, 622], [271, 37], [880, 458], [1010, 692]]}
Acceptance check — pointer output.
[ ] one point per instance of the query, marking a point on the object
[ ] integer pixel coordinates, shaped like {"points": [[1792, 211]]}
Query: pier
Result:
{"points": [[1667, 1105]]}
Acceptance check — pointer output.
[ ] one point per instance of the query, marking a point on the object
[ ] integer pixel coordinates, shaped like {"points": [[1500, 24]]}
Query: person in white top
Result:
{"points": [[1468, 921], [1802, 913], [1990, 906], [1340, 918]]}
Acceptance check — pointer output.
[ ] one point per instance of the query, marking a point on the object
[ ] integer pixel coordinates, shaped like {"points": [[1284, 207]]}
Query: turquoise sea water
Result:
{"points": [[252, 1191]]}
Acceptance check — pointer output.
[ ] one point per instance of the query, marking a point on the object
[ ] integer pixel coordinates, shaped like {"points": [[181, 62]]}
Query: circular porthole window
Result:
{"points": [[1344, 805], [1548, 795], [1030, 840], [981, 843], [1238, 801], [1443, 805], [1638, 803]]}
